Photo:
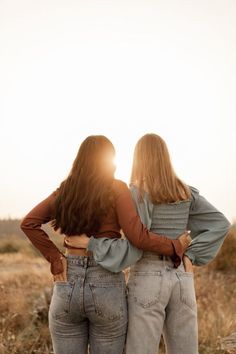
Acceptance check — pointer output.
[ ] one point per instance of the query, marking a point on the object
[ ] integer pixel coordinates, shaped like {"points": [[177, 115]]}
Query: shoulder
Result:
{"points": [[54, 194], [133, 189], [137, 195], [194, 192], [120, 187], [134, 192], [51, 199], [194, 196]]}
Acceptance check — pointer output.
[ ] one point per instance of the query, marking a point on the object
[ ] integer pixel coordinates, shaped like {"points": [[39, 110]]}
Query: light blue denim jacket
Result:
{"points": [[208, 229]]}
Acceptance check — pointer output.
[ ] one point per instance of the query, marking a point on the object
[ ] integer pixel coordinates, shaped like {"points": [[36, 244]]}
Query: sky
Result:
{"points": [[121, 68]]}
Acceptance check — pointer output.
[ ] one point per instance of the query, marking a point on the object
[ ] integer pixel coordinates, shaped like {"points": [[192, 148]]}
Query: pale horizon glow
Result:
{"points": [[122, 69]]}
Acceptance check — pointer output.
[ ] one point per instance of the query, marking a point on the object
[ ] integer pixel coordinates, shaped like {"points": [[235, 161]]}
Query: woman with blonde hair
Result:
{"points": [[88, 305], [161, 297]]}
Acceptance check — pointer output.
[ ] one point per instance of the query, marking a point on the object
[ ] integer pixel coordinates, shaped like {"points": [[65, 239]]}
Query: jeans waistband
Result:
{"points": [[88, 261], [153, 255]]}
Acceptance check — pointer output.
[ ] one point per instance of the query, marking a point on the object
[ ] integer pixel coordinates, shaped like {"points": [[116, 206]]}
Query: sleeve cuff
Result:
{"points": [[91, 244], [57, 266], [191, 256]]}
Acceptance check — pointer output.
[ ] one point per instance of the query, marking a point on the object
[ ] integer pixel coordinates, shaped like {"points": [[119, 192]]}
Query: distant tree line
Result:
{"points": [[10, 227]]}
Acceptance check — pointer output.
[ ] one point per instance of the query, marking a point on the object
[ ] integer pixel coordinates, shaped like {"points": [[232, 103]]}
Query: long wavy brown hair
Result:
{"points": [[152, 171], [85, 196]]}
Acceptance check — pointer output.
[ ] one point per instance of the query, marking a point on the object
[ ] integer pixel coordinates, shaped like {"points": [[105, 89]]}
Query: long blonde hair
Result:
{"points": [[152, 171]]}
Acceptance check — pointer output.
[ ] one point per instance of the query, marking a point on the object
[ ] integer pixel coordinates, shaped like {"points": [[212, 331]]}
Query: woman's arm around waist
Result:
{"points": [[136, 232]]}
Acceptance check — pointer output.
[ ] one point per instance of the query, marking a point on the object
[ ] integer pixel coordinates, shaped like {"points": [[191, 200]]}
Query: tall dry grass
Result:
{"points": [[22, 283], [24, 276], [216, 298]]}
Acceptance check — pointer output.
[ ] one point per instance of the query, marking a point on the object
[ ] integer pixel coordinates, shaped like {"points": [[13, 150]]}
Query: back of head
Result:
{"points": [[153, 172], [85, 196]]}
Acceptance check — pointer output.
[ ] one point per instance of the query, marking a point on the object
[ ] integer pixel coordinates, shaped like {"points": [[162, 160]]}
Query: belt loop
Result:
{"points": [[85, 262]]}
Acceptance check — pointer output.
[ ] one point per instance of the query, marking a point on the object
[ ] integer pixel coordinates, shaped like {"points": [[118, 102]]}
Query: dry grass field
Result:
{"points": [[25, 285]]}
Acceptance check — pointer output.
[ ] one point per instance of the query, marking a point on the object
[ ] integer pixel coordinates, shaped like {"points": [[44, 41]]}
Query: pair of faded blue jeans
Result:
{"points": [[161, 300], [89, 310]]}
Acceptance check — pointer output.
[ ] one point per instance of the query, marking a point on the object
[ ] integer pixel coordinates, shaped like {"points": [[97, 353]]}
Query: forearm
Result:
{"points": [[205, 246], [209, 228], [139, 235], [143, 239], [41, 241], [31, 226]]}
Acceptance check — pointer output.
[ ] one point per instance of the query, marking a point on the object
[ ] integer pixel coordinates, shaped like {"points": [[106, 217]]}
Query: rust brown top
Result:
{"points": [[122, 216]]}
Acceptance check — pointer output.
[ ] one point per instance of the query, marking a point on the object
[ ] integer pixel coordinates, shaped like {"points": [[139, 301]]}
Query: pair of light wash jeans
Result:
{"points": [[161, 299], [89, 310]]}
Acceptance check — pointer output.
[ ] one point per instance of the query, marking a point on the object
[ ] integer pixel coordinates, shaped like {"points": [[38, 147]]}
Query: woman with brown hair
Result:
{"points": [[88, 304], [161, 297]]}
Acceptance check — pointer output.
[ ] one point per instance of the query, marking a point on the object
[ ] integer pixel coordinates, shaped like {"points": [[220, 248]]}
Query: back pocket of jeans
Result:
{"points": [[187, 289], [61, 298], [109, 300], [144, 288]]}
